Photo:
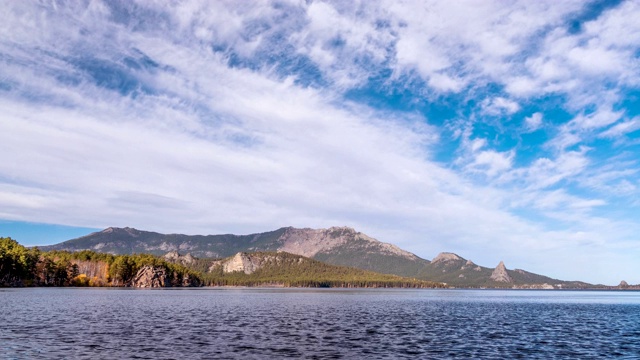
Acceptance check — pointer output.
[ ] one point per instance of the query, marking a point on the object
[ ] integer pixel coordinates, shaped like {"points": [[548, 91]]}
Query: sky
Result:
{"points": [[498, 130]]}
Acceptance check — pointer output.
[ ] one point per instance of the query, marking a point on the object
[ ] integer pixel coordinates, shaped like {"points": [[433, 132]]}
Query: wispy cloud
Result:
{"points": [[533, 122]]}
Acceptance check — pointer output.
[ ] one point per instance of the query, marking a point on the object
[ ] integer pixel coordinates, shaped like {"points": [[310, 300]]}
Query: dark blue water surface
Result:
{"points": [[317, 324]]}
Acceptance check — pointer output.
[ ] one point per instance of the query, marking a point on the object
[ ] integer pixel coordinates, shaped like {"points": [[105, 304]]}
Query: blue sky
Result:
{"points": [[499, 130]]}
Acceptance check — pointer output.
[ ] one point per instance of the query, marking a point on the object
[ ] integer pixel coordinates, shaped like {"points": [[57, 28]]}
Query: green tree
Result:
{"points": [[16, 262]]}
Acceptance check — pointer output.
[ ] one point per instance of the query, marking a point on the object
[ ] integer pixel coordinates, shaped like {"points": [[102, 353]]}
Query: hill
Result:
{"points": [[285, 269]]}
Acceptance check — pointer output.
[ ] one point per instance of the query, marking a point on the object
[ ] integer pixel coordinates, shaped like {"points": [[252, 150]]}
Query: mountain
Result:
{"points": [[337, 245], [340, 246]]}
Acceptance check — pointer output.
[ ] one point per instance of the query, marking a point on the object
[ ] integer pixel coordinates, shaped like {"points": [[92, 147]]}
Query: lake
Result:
{"points": [[317, 323]]}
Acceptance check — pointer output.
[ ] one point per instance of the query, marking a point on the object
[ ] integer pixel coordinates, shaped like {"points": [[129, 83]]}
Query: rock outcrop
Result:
{"points": [[500, 274], [176, 258], [158, 277], [247, 263], [150, 277], [467, 265], [445, 257], [242, 262]]}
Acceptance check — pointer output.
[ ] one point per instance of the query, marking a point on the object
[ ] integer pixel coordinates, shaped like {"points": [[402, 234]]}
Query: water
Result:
{"points": [[317, 324]]}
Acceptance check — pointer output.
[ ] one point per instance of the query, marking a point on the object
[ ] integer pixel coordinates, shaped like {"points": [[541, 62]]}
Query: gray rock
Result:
{"points": [[150, 277], [445, 257], [176, 258], [500, 274]]}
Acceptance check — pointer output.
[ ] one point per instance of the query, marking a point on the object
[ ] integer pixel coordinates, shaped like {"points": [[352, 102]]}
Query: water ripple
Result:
{"points": [[316, 324]]}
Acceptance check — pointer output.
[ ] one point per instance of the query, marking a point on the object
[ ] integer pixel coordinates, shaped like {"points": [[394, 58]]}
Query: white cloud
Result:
{"points": [[500, 106], [622, 128], [557, 199], [602, 117], [477, 159], [491, 163], [581, 64], [533, 122], [470, 41], [583, 127], [545, 172]]}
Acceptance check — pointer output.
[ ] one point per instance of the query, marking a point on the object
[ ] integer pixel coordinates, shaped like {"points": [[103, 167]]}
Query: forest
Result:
{"points": [[22, 266], [289, 270]]}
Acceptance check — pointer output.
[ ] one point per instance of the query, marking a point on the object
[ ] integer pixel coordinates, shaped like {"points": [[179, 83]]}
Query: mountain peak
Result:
{"points": [[500, 274], [446, 257], [309, 242], [342, 230]]}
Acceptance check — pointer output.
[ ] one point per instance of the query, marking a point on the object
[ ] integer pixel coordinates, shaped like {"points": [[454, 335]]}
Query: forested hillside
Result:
{"points": [[21, 266], [290, 270]]}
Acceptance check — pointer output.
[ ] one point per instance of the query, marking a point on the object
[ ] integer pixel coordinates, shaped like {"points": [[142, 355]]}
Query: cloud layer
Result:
{"points": [[500, 131]]}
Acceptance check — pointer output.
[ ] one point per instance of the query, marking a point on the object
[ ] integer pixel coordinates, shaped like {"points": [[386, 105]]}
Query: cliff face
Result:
{"points": [[150, 277], [248, 263]]}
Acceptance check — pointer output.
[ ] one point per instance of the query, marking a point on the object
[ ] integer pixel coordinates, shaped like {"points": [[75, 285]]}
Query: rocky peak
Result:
{"points": [[341, 231], [446, 257], [242, 262], [500, 274], [188, 259], [121, 231], [467, 265], [249, 263], [309, 242], [172, 256], [176, 258]]}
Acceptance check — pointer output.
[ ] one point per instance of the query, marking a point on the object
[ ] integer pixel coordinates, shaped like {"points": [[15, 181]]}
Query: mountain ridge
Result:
{"points": [[338, 245]]}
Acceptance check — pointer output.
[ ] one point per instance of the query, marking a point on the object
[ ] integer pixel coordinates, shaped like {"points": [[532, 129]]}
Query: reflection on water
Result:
{"points": [[308, 323]]}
